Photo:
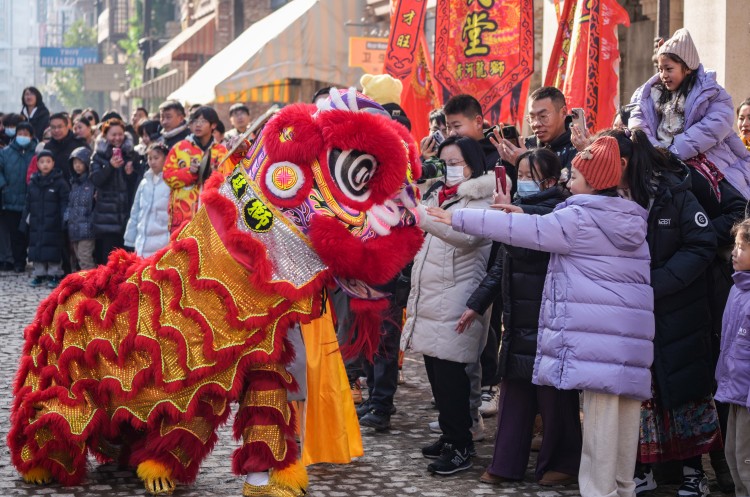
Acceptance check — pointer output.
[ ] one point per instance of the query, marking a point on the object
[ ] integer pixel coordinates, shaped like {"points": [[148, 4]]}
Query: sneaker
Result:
{"points": [[53, 281], [644, 479], [489, 401], [363, 408], [694, 483], [435, 427], [356, 392], [451, 460], [377, 419], [38, 281], [477, 430], [433, 450]]}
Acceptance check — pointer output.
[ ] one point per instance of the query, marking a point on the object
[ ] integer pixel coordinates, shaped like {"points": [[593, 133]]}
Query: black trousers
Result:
{"points": [[451, 389], [18, 240], [106, 244]]}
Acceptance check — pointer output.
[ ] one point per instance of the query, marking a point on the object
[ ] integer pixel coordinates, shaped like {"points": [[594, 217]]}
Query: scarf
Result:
{"points": [[447, 192], [708, 170], [179, 129]]}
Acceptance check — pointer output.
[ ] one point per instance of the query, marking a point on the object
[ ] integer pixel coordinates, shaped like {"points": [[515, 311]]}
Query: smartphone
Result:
{"points": [[117, 152], [510, 133], [579, 118], [500, 179], [438, 137], [491, 131]]}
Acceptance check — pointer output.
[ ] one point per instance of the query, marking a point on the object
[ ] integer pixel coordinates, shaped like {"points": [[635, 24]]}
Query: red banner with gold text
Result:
{"points": [[486, 48], [407, 21], [588, 59]]}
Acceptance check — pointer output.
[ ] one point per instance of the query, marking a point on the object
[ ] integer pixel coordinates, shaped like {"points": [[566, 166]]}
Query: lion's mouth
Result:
{"points": [[395, 213]]}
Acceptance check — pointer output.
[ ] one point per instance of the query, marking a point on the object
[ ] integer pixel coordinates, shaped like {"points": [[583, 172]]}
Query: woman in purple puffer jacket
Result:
{"points": [[596, 323], [733, 370]]}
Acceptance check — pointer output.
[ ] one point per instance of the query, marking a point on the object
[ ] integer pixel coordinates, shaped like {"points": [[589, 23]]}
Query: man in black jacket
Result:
{"points": [[63, 142], [174, 127], [548, 118]]}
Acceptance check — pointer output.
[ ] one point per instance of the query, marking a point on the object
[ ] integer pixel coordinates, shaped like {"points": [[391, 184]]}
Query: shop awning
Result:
{"points": [[275, 92], [158, 87], [304, 39], [195, 41]]}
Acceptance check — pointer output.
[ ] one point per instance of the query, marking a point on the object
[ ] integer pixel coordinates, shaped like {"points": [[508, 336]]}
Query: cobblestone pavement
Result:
{"points": [[392, 464]]}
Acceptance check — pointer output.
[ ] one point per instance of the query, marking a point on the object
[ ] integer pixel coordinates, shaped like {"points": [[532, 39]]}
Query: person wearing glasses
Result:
{"points": [[548, 118], [189, 164], [446, 271]]}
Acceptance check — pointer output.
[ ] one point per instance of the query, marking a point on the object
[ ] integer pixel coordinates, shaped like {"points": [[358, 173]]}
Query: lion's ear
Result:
{"points": [[293, 135]]}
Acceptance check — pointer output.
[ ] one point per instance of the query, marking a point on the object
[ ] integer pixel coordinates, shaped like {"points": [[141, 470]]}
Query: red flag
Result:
{"points": [[419, 96], [558, 61], [406, 30], [486, 48], [589, 77]]}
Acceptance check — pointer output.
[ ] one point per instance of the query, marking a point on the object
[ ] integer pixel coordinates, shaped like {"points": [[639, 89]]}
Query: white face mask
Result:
{"points": [[454, 176]]}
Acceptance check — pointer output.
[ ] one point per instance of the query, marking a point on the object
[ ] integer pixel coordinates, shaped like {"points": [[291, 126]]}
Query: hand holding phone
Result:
{"points": [[501, 184], [579, 118]]}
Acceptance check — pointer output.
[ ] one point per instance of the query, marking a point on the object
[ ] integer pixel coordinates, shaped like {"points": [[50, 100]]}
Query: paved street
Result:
{"points": [[392, 465]]}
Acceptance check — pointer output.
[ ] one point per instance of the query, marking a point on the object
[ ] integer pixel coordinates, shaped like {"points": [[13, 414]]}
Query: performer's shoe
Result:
{"points": [[38, 476], [288, 482], [271, 490], [156, 477]]}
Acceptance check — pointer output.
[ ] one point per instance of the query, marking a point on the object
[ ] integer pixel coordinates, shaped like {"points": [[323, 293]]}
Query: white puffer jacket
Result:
{"points": [[148, 226], [447, 269]]}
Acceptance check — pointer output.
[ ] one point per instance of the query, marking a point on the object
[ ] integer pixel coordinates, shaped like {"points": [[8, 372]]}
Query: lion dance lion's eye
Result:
{"points": [[352, 170]]}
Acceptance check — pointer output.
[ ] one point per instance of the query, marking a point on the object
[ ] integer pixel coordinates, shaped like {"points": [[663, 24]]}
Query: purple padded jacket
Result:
{"points": [[709, 121], [596, 324], [733, 369]]}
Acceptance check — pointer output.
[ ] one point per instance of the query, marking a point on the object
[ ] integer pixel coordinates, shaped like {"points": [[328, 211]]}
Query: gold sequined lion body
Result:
{"points": [[139, 361]]}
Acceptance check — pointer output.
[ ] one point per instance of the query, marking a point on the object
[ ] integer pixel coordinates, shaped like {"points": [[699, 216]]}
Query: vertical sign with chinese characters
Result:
{"points": [[485, 48], [406, 29]]}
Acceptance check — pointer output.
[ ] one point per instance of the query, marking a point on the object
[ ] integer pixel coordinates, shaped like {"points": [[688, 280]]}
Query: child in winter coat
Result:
{"points": [[81, 210], [733, 370], [518, 276], [46, 203], [148, 226], [684, 109], [596, 322]]}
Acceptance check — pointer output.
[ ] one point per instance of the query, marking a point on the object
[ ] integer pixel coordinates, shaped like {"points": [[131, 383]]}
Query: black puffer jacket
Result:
{"points": [[520, 274], [61, 150], [723, 213], [562, 146], [111, 210], [682, 243], [46, 203]]}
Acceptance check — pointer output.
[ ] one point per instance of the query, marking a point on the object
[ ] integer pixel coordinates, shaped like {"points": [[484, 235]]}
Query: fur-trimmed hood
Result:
{"points": [[101, 146], [478, 188]]}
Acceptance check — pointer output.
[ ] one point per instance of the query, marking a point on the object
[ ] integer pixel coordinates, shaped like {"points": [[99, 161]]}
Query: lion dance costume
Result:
{"points": [[139, 360]]}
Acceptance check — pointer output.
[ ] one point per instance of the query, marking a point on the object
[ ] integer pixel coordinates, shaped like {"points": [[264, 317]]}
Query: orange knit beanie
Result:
{"points": [[599, 163]]}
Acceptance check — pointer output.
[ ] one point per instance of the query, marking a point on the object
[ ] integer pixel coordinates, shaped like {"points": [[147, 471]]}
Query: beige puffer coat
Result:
{"points": [[446, 271]]}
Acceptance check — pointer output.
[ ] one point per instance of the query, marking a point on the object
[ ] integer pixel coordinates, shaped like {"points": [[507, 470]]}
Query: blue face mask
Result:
{"points": [[10, 131], [23, 140], [527, 187]]}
